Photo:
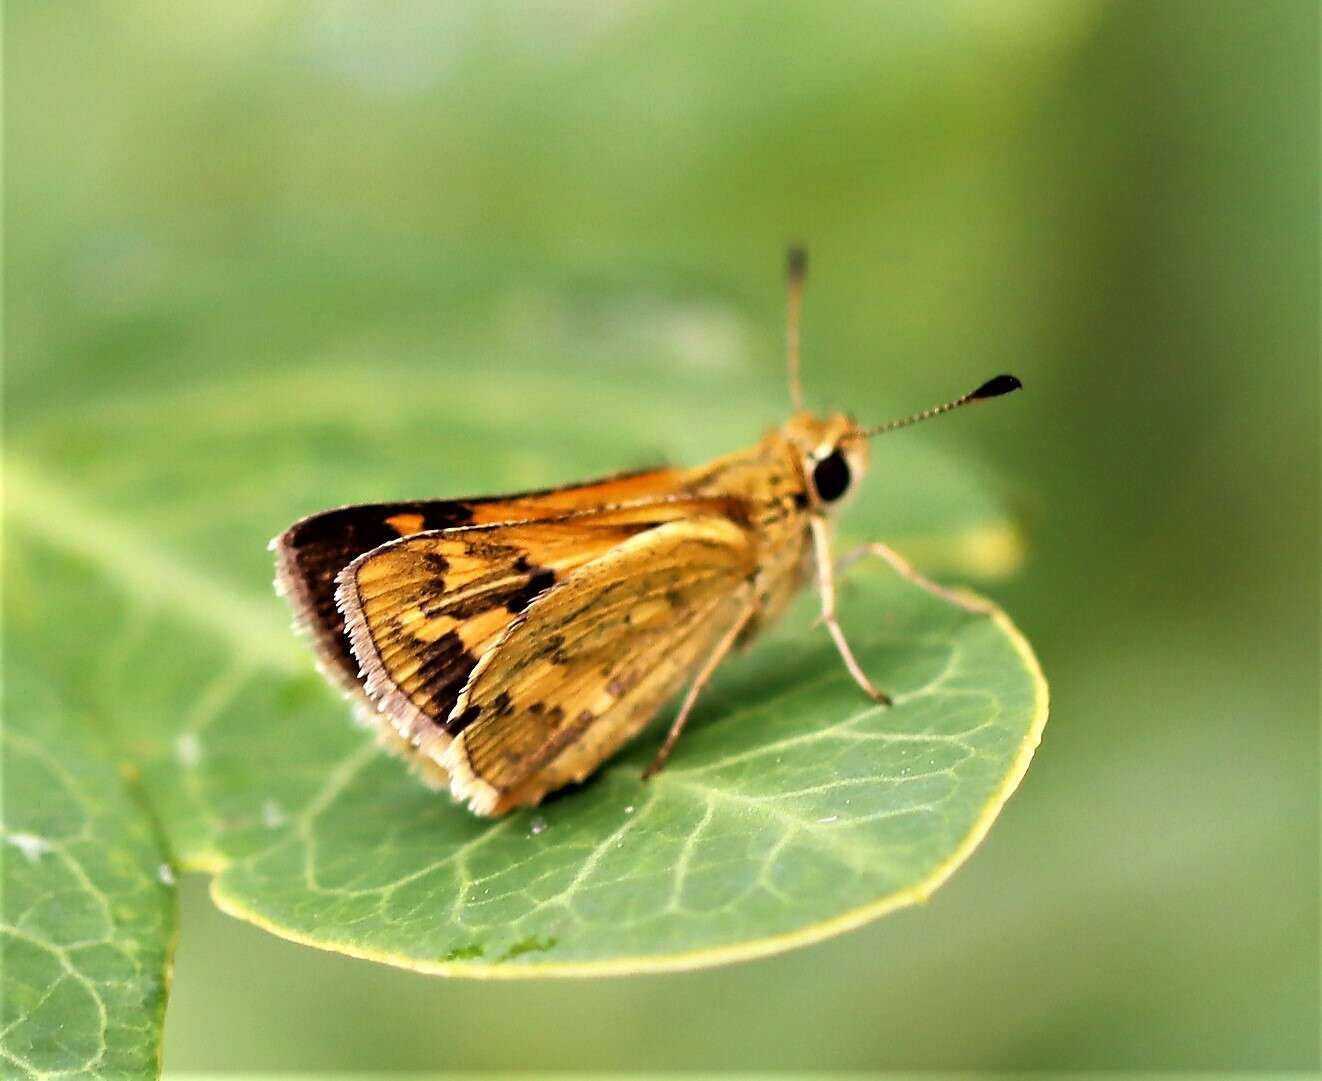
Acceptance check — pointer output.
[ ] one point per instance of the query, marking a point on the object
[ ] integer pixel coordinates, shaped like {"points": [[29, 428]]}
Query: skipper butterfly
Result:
{"points": [[509, 645]]}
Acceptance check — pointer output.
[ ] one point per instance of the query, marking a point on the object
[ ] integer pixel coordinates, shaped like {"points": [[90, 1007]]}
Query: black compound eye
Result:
{"points": [[831, 477]]}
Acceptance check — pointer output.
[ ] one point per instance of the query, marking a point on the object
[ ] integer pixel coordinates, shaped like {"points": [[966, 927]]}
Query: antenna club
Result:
{"points": [[796, 260], [996, 386], [993, 388]]}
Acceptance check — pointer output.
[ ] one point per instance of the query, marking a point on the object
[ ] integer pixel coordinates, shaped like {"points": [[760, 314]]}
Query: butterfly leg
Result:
{"points": [[826, 584], [905, 570], [713, 662]]}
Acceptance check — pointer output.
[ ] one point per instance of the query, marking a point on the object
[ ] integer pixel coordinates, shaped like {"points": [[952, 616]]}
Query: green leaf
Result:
{"points": [[792, 807], [88, 905]]}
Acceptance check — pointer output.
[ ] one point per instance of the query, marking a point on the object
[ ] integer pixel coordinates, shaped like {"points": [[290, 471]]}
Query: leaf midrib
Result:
{"points": [[147, 573]]}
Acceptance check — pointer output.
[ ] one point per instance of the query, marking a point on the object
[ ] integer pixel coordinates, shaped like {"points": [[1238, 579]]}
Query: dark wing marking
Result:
{"points": [[311, 552]]}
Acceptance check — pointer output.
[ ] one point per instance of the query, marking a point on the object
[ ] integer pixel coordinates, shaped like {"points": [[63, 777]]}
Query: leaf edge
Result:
{"points": [[691, 960]]}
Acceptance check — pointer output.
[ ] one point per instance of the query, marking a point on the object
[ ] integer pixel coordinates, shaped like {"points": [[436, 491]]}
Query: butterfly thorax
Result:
{"points": [[773, 482]]}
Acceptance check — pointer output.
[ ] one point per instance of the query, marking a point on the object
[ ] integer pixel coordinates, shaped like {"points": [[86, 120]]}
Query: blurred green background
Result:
{"points": [[1118, 202]]}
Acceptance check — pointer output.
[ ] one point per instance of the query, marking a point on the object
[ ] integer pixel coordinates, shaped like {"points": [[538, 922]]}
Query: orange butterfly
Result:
{"points": [[510, 645]]}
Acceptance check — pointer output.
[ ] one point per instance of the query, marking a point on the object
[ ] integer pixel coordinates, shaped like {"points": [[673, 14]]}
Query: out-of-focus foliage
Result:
{"points": [[1115, 201]]}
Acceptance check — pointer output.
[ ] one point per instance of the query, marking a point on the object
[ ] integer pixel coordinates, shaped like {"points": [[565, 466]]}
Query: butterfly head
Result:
{"points": [[833, 450], [832, 455]]}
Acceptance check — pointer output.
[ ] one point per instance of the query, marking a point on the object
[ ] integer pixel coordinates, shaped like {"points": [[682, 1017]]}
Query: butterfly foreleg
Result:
{"points": [[821, 537], [905, 570], [718, 654]]}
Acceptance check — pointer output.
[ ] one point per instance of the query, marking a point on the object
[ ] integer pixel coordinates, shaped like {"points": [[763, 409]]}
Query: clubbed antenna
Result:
{"points": [[993, 388]]}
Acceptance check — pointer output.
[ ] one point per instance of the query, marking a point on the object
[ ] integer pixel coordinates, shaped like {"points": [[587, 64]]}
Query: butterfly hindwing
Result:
{"points": [[591, 661], [422, 611]]}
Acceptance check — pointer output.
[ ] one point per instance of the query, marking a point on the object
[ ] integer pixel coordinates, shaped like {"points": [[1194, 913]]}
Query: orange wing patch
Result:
{"points": [[406, 524]]}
